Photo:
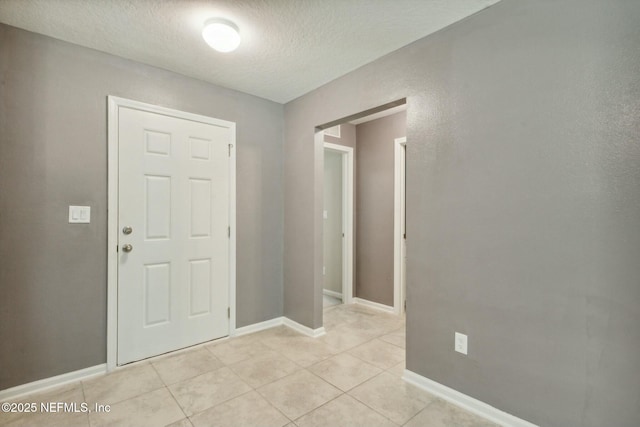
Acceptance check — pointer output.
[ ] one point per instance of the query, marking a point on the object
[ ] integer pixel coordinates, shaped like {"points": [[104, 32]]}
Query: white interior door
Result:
{"points": [[173, 244]]}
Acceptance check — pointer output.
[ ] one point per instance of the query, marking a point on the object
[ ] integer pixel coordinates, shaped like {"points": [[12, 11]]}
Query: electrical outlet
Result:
{"points": [[461, 343]]}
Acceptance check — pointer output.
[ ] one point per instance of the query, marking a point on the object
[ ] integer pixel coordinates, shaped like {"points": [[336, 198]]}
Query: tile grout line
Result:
{"points": [[191, 377], [185, 379], [178, 404], [365, 404], [347, 351], [216, 405], [274, 407], [252, 389], [136, 395], [420, 411], [324, 404], [84, 399], [383, 369], [219, 403]]}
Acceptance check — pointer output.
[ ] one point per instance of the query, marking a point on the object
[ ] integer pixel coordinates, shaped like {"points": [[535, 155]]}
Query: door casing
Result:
{"points": [[114, 103], [399, 226]]}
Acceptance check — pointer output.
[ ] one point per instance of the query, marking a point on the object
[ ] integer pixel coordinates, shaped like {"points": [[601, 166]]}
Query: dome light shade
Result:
{"points": [[221, 35]]}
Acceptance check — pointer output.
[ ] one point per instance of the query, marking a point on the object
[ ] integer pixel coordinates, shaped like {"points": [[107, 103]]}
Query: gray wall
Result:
{"points": [[375, 183], [332, 230], [53, 153], [523, 205]]}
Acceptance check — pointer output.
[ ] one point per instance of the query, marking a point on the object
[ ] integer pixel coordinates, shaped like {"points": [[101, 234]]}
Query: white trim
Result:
{"points": [[466, 402], [114, 103], [333, 294], [51, 382], [347, 218], [260, 326], [112, 233], [313, 333], [398, 222], [374, 305], [232, 230], [278, 321]]}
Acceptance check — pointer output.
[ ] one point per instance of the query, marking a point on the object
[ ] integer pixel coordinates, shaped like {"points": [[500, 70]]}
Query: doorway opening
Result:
{"points": [[376, 139]]}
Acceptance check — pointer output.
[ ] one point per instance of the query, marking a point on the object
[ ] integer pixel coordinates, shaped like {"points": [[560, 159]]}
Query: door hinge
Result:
{"points": [[229, 231], [228, 312], [230, 145]]}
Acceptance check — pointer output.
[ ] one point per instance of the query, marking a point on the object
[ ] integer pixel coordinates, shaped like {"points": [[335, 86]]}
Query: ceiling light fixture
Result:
{"points": [[221, 35]]}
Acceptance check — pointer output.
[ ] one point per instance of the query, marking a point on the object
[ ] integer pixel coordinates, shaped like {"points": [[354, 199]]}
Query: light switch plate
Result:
{"points": [[79, 214], [461, 343]]}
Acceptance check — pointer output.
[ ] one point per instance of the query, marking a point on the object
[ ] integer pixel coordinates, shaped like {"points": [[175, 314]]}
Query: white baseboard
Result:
{"points": [[313, 333], [375, 305], [467, 402], [334, 294], [260, 326], [256, 327], [48, 383]]}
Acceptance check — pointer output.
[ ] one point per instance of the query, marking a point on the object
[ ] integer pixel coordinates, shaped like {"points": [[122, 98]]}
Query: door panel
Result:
{"points": [[157, 207], [199, 287], [156, 296], [173, 286]]}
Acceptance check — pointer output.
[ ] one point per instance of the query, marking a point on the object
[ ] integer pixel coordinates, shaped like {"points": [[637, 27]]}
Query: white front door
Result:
{"points": [[173, 244]]}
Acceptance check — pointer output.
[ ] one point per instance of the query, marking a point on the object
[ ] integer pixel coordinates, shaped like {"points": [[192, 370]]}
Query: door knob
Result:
{"points": [[127, 248], [127, 230]]}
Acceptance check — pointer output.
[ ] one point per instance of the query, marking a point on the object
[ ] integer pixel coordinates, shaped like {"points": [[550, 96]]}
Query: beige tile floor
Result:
{"points": [[349, 377]]}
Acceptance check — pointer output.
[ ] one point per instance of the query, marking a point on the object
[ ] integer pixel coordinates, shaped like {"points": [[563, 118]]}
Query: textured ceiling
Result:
{"points": [[289, 47]]}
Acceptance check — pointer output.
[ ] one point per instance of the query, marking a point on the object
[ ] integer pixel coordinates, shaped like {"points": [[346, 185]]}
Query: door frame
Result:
{"points": [[114, 104], [347, 218], [399, 186]]}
